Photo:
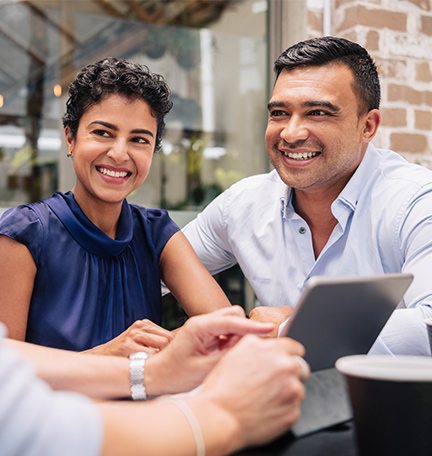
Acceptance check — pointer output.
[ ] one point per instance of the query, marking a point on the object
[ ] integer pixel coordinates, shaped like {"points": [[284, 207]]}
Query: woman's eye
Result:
{"points": [[140, 140], [102, 133]]}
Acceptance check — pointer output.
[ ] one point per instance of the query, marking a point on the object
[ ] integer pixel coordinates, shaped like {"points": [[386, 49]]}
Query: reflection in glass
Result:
{"points": [[212, 54]]}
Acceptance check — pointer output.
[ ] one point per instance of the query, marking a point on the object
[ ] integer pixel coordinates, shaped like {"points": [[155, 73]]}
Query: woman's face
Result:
{"points": [[113, 149]]}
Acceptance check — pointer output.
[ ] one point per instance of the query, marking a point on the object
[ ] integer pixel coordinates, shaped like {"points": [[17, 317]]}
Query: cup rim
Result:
{"points": [[379, 367]]}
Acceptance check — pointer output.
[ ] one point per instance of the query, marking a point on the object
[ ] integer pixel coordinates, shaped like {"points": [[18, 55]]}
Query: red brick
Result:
{"points": [[391, 68], [404, 93], [393, 117], [372, 41], [426, 25], [374, 18], [423, 4], [408, 142], [423, 120], [423, 72]]}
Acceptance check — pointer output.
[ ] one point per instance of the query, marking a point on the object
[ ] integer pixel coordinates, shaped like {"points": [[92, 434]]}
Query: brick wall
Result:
{"points": [[398, 34]]}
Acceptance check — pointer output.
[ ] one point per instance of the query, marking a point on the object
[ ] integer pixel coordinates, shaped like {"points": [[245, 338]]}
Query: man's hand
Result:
{"points": [[196, 348], [142, 335], [275, 315]]}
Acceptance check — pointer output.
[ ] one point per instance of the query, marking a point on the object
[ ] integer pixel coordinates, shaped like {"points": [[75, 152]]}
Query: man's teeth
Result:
{"points": [[300, 156], [110, 173]]}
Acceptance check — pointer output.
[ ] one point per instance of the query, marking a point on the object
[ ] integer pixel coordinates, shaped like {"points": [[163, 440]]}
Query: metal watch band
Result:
{"points": [[137, 361]]}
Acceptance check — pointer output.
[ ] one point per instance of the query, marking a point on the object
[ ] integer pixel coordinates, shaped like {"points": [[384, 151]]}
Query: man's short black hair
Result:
{"points": [[328, 50]]}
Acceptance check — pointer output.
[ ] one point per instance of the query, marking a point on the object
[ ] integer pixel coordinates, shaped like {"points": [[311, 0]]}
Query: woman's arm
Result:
{"points": [[188, 280], [17, 275]]}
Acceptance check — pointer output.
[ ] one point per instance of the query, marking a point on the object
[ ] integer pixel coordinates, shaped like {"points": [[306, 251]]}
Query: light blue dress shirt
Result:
{"points": [[384, 225], [36, 421]]}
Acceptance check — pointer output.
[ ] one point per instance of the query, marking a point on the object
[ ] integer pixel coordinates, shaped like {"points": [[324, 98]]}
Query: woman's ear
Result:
{"points": [[372, 121], [69, 140]]}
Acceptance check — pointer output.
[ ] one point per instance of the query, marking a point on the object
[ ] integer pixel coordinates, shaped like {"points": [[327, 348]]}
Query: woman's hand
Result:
{"points": [[142, 335]]}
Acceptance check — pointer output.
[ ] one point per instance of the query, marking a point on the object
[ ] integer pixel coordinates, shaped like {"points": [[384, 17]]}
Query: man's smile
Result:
{"points": [[300, 155]]}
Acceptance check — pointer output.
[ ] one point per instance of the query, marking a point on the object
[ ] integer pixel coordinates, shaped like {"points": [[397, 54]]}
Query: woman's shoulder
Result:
{"points": [[155, 223]]}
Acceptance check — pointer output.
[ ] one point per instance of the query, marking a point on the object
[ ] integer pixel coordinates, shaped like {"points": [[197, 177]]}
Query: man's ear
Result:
{"points": [[371, 122]]}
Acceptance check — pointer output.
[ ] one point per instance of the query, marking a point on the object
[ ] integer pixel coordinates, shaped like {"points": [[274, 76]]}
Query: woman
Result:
{"points": [[80, 268]]}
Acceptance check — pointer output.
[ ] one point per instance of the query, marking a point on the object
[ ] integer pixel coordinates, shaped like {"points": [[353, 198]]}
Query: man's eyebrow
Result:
{"points": [[322, 104], [307, 104], [275, 104], [139, 131]]}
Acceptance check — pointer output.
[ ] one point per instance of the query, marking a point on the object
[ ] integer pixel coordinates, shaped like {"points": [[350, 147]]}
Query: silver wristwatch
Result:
{"points": [[137, 361]]}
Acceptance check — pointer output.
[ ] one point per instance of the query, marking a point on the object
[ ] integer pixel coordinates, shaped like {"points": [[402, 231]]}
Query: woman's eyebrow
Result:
{"points": [[141, 131]]}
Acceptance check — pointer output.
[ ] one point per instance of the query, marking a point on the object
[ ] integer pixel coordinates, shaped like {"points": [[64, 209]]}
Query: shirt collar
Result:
{"points": [[349, 195], [353, 189]]}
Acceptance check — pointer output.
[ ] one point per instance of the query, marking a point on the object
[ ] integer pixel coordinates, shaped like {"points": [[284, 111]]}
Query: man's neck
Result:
{"points": [[315, 209]]}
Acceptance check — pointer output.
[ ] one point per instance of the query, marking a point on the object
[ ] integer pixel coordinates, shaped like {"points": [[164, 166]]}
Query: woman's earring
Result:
{"points": [[69, 154]]}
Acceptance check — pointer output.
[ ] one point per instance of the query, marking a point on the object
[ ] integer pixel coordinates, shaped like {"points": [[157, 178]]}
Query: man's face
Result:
{"points": [[315, 138]]}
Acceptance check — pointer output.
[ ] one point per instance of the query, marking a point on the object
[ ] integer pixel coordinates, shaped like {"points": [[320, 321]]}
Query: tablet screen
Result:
{"points": [[340, 316]]}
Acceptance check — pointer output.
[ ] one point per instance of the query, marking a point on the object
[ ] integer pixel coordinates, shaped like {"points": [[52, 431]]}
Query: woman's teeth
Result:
{"points": [[110, 173]]}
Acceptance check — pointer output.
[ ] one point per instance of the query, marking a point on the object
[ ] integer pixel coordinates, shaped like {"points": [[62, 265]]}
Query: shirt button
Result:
{"points": [[302, 230]]}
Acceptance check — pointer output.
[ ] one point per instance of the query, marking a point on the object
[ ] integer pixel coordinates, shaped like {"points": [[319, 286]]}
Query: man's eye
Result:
{"points": [[318, 112], [277, 113]]}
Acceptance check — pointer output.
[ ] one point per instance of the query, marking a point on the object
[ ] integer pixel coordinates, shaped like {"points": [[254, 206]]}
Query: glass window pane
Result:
{"points": [[213, 55]]}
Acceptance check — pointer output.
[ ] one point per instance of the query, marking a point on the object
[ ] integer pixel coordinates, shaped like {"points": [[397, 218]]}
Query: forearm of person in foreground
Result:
{"points": [[180, 367], [249, 398]]}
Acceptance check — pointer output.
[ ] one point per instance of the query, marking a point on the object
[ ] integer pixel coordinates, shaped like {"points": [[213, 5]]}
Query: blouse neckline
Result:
{"points": [[85, 232]]}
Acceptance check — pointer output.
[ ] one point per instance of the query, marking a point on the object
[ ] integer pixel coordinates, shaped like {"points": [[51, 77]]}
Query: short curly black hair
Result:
{"points": [[111, 76]]}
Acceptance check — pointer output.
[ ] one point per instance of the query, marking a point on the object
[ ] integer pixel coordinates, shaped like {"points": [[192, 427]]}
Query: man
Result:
{"points": [[38, 421], [334, 205]]}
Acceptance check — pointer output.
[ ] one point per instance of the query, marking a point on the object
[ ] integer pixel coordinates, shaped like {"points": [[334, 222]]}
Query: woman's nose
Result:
{"points": [[118, 151]]}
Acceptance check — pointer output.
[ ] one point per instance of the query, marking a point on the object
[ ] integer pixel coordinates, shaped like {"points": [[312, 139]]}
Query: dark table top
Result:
{"points": [[336, 441]]}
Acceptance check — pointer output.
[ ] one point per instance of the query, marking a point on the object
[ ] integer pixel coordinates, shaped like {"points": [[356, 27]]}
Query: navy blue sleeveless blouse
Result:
{"points": [[89, 288]]}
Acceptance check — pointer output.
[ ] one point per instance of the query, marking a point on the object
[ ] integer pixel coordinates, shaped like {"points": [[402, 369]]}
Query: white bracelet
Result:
{"points": [[136, 367], [193, 423]]}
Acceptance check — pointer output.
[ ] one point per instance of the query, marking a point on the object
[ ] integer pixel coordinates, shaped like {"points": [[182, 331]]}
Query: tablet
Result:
{"points": [[340, 316]]}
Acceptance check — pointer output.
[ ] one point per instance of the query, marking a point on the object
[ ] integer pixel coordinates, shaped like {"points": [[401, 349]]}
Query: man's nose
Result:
{"points": [[294, 129]]}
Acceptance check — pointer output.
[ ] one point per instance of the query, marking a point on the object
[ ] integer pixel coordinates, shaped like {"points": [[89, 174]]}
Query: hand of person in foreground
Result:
{"points": [[275, 315], [198, 345], [141, 336], [250, 397], [260, 386]]}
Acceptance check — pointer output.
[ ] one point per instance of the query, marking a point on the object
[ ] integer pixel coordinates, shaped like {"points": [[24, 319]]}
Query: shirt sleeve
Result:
{"points": [[24, 226], [36, 421], [406, 332], [208, 235], [162, 228]]}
